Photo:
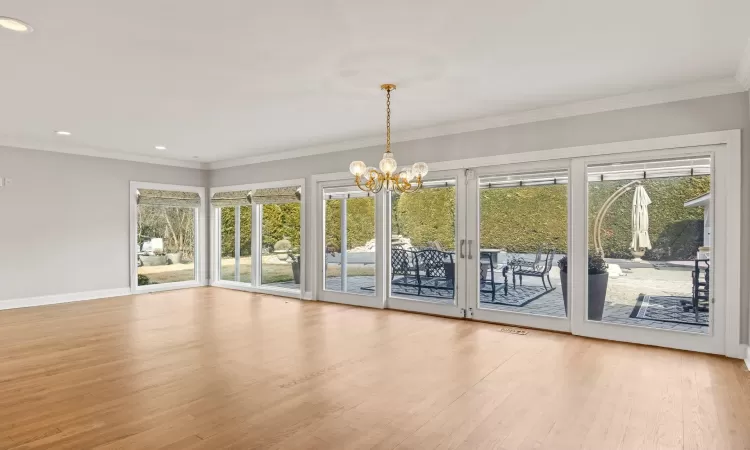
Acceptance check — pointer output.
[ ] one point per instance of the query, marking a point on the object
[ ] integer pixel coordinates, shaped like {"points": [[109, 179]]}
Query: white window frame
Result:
{"points": [[727, 166], [200, 241], [256, 242], [318, 241]]}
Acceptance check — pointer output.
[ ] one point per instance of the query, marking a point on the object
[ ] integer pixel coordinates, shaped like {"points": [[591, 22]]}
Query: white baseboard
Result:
{"points": [[307, 296], [62, 298], [747, 357]]}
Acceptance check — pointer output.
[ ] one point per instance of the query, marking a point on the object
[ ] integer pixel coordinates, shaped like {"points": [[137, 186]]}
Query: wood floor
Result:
{"points": [[211, 368]]}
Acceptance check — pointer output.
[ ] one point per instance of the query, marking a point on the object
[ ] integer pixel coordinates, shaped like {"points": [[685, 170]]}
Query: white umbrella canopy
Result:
{"points": [[641, 200]]}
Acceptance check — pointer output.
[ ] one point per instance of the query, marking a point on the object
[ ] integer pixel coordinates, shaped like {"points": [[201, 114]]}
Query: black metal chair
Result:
{"points": [[538, 269], [432, 270], [701, 290], [485, 260], [403, 266]]}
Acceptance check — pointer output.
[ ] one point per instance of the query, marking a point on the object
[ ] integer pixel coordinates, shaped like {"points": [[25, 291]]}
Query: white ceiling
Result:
{"points": [[228, 79]]}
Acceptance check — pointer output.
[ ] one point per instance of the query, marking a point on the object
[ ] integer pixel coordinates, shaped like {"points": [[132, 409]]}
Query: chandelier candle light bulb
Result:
{"points": [[370, 179]]}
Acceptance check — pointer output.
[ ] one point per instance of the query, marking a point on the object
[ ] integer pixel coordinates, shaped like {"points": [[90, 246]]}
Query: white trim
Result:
{"points": [[654, 97], [681, 141], [100, 153], [247, 287], [63, 298], [747, 357], [201, 243], [743, 69]]}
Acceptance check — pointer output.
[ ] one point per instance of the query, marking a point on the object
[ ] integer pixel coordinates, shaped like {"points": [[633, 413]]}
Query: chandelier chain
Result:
{"points": [[388, 121]]}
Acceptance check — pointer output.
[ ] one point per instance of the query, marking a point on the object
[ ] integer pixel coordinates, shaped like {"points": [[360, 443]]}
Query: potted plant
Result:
{"points": [[174, 257], [294, 256], [598, 279]]}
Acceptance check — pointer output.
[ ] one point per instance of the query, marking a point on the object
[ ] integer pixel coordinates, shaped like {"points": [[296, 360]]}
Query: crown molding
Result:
{"points": [[654, 97], [6, 141], [743, 69]]}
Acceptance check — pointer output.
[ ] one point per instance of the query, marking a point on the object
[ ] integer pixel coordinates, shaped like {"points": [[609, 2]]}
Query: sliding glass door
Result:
{"points": [[654, 270], [258, 237], [518, 227], [426, 252], [628, 245], [349, 248]]}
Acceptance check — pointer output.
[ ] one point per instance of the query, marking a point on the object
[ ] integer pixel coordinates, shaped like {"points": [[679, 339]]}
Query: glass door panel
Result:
{"points": [[350, 244], [280, 234], [426, 256], [650, 244], [518, 227], [235, 241]]}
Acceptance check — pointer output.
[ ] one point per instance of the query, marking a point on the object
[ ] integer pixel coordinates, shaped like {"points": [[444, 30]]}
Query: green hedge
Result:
{"points": [[360, 222], [279, 220], [676, 232], [517, 219]]}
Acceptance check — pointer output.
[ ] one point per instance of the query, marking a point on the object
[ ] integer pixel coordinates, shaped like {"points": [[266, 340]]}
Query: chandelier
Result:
{"points": [[370, 179]]}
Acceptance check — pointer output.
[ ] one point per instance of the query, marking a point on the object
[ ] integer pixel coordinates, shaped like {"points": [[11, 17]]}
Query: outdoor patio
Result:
{"points": [[626, 303]]}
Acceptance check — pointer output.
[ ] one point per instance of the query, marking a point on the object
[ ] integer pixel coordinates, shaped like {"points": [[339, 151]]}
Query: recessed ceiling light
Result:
{"points": [[12, 24], [160, 147], [62, 133]]}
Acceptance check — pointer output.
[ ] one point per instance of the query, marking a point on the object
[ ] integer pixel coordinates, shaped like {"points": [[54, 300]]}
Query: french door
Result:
{"points": [[427, 250], [629, 245], [517, 226]]}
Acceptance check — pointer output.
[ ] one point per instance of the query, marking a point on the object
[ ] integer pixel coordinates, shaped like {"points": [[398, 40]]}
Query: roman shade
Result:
{"points": [[176, 199], [230, 199], [291, 194]]}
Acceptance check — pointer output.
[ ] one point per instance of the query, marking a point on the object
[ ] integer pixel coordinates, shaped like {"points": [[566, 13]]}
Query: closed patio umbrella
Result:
{"points": [[641, 201]]}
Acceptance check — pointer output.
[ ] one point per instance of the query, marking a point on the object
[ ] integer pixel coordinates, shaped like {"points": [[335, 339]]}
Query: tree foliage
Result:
{"points": [[176, 226], [360, 222], [676, 232]]}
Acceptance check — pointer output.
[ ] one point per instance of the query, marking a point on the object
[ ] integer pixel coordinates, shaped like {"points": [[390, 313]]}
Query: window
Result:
{"points": [[349, 241], [423, 243], [235, 235], [165, 238], [259, 237], [523, 234], [650, 244]]}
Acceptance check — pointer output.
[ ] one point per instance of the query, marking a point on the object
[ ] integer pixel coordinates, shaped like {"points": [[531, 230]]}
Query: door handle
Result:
{"points": [[469, 248], [461, 249]]}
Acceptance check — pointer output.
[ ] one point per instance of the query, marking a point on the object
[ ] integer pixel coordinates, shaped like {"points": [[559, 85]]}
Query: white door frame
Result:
{"points": [[200, 241], [318, 239], [458, 308], [256, 238], [518, 318], [723, 269]]}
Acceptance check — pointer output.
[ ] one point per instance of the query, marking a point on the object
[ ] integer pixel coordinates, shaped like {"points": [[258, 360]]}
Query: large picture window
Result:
{"points": [[650, 244], [259, 237], [165, 236]]}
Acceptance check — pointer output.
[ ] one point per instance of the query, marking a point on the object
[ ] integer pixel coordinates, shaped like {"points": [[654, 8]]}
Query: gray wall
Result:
{"points": [[685, 117], [64, 222]]}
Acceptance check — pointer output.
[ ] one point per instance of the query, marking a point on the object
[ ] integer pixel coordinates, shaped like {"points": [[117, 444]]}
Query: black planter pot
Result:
{"points": [[597, 293], [295, 272]]}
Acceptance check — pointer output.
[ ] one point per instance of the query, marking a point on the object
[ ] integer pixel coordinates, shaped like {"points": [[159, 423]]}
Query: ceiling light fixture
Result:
{"points": [[370, 179], [16, 25], [160, 147], [63, 133]]}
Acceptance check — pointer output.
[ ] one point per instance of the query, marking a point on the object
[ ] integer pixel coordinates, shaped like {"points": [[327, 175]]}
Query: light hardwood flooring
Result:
{"points": [[211, 368]]}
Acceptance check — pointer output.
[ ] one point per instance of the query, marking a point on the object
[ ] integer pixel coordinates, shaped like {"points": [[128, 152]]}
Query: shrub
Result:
{"points": [[143, 280], [597, 265]]}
